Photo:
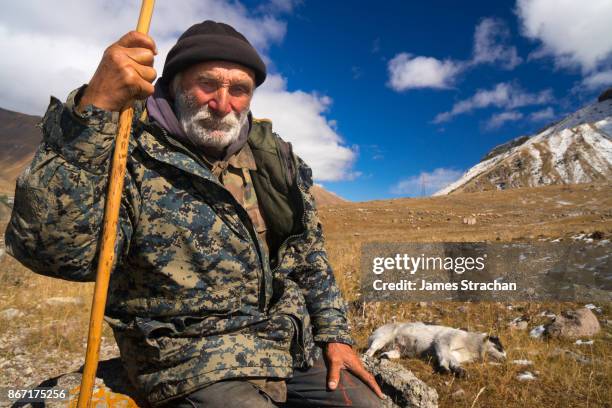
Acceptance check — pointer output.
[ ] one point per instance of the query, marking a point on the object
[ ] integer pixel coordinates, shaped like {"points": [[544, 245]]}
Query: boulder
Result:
{"points": [[573, 324], [111, 389], [403, 389]]}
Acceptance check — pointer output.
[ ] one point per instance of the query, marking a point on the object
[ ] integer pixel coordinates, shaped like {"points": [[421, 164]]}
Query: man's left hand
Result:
{"points": [[340, 356]]}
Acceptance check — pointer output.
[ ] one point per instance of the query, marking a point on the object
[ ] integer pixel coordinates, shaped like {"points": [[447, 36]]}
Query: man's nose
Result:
{"points": [[220, 104]]}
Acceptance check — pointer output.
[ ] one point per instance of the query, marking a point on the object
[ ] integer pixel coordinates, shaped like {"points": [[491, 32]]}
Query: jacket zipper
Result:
{"points": [[290, 237], [249, 227]]}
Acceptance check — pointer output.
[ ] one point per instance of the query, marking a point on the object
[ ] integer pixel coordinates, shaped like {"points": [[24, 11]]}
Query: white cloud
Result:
{"points": [[598, 80], [542, 115], [280, 6], [490, 44], [298, 117], [499, 119], [491, 37], [407, 72], [52, 53], [426, 182], [575, 33], [505, 95]]}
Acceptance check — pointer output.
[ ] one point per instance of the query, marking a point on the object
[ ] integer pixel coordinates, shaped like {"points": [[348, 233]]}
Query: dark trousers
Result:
{"points": [[307, 388]]}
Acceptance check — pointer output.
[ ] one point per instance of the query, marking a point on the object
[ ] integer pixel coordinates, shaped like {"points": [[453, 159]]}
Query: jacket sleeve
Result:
{"points": [[59, 198], [315, 276]]}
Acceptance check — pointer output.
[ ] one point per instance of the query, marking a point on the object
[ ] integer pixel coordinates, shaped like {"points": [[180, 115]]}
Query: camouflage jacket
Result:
{"points": [[193, 297]]}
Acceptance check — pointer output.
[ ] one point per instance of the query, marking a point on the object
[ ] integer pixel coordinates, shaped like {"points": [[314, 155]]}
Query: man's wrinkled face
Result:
{"points": [[212, 101]]}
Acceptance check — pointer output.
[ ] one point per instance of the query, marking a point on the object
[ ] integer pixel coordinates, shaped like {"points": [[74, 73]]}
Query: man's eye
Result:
{"points": [[209, 85], [239, 90]]}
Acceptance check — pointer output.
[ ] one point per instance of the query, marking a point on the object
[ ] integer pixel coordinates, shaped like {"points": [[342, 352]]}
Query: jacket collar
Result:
{"points": [[162, 147]]}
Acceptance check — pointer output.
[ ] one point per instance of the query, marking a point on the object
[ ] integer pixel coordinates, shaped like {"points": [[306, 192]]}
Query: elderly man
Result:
{"points": [[222, 293]]}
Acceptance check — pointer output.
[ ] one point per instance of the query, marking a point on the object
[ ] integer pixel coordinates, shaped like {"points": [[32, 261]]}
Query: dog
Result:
{"points": [[446, 346]]}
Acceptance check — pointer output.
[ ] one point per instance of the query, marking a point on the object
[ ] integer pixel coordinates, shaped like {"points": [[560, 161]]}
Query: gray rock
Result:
{"points": [[63, 301], [520, 323], [571, 354], [459, 394], [11, 313], [403, 389], [573, 324]]}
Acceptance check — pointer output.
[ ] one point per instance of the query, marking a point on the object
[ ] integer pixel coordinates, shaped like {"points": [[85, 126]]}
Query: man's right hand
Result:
{"points": [[125, 73]]}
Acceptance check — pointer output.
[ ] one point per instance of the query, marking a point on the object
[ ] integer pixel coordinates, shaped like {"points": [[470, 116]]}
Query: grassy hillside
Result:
{"points": [[49, 340]]}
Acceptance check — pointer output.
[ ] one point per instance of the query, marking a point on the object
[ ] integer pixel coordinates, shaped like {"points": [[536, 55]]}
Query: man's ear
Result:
{"points": [[174, 83], [171, 92]]}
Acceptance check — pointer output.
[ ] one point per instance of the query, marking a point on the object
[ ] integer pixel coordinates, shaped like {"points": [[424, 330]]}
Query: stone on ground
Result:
{"points": [[403, 389]]}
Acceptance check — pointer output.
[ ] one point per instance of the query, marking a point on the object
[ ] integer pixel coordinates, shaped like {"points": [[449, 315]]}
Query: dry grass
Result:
{"points": [[56, 335], [518, 215]]}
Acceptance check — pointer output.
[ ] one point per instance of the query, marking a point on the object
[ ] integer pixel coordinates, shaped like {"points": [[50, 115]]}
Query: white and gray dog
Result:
{"points": [[446, 346]]}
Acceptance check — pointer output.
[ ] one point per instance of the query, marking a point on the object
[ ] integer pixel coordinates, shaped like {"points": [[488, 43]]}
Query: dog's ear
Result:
{"points": [[495, 340]]}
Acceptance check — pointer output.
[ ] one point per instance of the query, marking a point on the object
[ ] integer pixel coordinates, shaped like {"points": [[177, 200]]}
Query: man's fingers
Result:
{"points": [[143, 56], [147, 73], [134, 39], [360, 372], [333, 374], [143, 90], [137, 87]]}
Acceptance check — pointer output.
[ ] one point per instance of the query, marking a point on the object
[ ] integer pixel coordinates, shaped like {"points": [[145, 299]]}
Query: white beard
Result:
{"points": [[206, 129]]}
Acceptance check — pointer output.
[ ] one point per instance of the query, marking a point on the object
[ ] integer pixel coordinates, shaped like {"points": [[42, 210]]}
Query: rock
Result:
{"points": [[594, 308], [526, 376], [547, 313], [520, 323], [111, 388], [605, 95], [469, 220], [11, 313], [537, 332], [460, 393], [573, 324], [522, 362], [402, 387], [571, 354], [64, 301]]}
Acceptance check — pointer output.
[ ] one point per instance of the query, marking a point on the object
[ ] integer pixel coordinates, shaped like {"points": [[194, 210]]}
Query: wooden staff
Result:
{"points": [[109, 233]]}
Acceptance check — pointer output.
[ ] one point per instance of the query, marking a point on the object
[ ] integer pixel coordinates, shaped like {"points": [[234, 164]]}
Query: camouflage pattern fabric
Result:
{"points": [[192, 298], [235, 176]]}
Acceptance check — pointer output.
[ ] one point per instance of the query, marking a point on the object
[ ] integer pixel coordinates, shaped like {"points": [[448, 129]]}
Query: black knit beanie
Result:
{"points": [[209, 41]]}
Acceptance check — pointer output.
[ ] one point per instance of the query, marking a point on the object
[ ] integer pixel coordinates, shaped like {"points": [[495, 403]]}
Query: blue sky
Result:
{"points": [[343, 50], [375, 97]]}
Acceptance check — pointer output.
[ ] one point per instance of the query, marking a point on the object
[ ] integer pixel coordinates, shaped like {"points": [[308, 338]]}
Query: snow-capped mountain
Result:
{"points": [[577, 149]]}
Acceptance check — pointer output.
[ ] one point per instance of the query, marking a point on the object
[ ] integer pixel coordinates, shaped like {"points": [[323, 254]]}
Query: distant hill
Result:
{"points": [[325, 197], [577, 149], [19, 138]]}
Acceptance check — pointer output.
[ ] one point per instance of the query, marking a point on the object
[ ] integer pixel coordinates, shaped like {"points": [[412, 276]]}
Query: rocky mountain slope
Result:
{"points": [[577, 149], [19, 138]]}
